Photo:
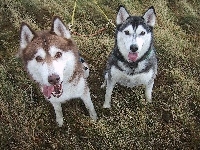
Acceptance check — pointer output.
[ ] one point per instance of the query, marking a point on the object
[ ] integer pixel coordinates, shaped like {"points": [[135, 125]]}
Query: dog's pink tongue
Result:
{"points": [[47, 90], [132, 56]]}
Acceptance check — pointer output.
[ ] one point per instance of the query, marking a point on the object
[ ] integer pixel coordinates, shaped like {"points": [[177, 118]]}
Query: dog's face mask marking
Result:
{"points": [[48, 56], [131, 42], [46, 64], [133, 32]]}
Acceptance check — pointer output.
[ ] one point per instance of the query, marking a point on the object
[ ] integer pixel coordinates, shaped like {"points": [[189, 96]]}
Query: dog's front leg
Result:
{"points": [[88, 104], [109, 89], [148, 91], [58, 112]]}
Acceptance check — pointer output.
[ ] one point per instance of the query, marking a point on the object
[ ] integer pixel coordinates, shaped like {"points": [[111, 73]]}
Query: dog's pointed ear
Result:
{"points": [[150, 16], [59, 28], [26, 35], [122, 15]]}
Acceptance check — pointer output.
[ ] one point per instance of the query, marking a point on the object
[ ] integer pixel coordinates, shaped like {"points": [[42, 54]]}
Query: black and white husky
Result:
{"points": [[133, 60]]}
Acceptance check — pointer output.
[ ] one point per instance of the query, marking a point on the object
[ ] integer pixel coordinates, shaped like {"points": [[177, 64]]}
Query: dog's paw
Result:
{"points": [[93, 116], [149, 100], [148, 97], [102, 86], [106, 105], [59, 121]]}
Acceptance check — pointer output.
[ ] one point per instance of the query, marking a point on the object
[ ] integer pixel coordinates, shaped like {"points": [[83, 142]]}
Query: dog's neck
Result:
{"points": [[132, 65]]}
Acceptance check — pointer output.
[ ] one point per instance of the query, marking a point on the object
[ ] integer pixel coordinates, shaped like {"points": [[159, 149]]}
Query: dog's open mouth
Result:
{"points": [[55, 90], [132, 56]]}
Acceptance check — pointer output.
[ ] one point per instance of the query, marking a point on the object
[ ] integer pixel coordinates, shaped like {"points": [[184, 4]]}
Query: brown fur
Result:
{"points": [[45, 39], [60, 37]]}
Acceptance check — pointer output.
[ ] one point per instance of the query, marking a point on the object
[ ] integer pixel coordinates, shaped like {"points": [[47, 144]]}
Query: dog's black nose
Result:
{"points": [[133, 48], [53, 79]]}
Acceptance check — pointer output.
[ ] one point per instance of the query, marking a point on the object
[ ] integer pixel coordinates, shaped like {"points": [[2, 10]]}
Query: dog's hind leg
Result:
{"points": [[109, 89], [88, 104], [148, 91], [58, 112]]}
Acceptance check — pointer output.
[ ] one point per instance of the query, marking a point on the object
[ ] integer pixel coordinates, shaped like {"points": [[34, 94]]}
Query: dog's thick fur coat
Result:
{"points": [[133, 60], [52, 60]]}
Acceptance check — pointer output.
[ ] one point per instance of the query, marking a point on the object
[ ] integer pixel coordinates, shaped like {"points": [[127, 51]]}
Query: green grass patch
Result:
{"points": [[172, 121]]}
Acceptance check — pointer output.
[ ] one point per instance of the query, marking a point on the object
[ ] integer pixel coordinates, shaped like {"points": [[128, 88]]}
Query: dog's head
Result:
{"points": [[134, 33], [48, 56]]}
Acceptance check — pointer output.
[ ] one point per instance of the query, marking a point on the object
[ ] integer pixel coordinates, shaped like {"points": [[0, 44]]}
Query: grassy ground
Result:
{"points": [[172, 121]]}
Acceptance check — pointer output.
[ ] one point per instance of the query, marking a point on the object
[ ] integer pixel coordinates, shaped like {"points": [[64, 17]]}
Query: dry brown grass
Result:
{"points": [[172, 121]]}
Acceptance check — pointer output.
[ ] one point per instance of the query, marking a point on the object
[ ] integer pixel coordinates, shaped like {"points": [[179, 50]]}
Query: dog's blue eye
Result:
{"points": [[126, 32], [142, 33]]}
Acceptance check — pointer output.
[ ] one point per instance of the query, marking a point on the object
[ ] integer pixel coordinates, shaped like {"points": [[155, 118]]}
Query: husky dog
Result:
{"points": [[133, 60], [52, 60]]}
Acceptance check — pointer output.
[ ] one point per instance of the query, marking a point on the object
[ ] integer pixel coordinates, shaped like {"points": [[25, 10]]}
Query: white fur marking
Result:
{"points": [[38, 70], [143, 41], [125, 41], [134, 37], [63, 66], [65, 63]]}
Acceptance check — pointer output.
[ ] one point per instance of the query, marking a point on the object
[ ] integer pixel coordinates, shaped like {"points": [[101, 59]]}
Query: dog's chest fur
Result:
{"points": [[131, 77]]}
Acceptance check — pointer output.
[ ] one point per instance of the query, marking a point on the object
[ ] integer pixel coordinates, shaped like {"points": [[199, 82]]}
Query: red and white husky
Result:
{"points": [[52, 60]]}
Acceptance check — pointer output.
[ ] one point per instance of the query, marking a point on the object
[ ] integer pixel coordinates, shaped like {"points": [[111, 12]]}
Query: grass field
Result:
{"points": [[172, 121]]}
